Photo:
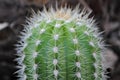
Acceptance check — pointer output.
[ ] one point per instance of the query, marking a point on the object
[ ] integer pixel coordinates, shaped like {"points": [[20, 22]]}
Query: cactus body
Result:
{"points": [[60, 44]]}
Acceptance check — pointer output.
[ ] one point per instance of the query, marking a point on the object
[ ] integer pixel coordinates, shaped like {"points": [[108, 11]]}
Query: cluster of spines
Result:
{"points": [[32, 35], [76, 52]]}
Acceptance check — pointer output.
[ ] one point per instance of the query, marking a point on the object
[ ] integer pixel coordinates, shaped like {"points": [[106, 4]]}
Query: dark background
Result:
{"points": [[14, 12]]}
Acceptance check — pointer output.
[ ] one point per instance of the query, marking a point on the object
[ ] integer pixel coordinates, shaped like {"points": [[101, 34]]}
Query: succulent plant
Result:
{"points": [[60, 44]]}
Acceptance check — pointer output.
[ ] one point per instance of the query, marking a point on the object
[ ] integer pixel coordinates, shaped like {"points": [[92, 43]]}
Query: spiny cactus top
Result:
{"points": [[61, 44]]}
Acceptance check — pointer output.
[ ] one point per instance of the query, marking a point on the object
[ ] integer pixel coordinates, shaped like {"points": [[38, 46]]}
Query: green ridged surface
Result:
{"points": [[66, 56], [60, 45]]}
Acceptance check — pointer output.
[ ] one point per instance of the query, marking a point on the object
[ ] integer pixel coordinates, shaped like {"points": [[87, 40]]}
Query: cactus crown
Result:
{"points": [[61, 44]]}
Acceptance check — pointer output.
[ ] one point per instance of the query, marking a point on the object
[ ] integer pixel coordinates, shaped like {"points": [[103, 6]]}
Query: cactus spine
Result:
{"points": [[61, 44]]}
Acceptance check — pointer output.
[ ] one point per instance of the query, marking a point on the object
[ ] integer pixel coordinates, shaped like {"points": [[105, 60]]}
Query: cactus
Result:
{"points": [[61, 44]]}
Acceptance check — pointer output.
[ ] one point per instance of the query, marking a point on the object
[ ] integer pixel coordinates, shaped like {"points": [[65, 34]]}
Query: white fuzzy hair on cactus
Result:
{"points": [[60, 44]]}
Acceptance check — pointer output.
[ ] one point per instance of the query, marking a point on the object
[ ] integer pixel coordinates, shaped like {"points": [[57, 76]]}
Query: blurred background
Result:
{"points": [[13, 14]]}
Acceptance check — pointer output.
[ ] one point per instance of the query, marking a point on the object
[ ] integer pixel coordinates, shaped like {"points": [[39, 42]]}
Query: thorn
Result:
{"points": [[42, 31], [56, 36], [67, 21], [94, 55], [95, 75], [38, 42], [22, 58], [72, 30], [79, 23], [86, 33], [55, 49], [75, 41], [95, 65], [35, 54], [88, 25], [48, 21], [92, 44], [24, 77], [35, 66], [35, 76], [3, 25], [57, 25], [55, 72], [78, 74], [36, 25], [31, 28], [30, 34], [78, 64], [55, 61], [96, 36], [23, 67], [25, 45], [77, 52]]}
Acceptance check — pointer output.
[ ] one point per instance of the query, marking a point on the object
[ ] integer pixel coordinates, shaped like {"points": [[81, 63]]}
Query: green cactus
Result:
{"points": [[61, 44]]}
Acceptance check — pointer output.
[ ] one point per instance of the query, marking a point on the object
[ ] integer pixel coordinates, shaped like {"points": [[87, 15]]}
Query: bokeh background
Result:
{"points": [[13, 14]]}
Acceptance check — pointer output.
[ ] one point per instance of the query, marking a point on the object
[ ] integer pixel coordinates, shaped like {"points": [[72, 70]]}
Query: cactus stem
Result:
{"points": [[60, 44]]}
